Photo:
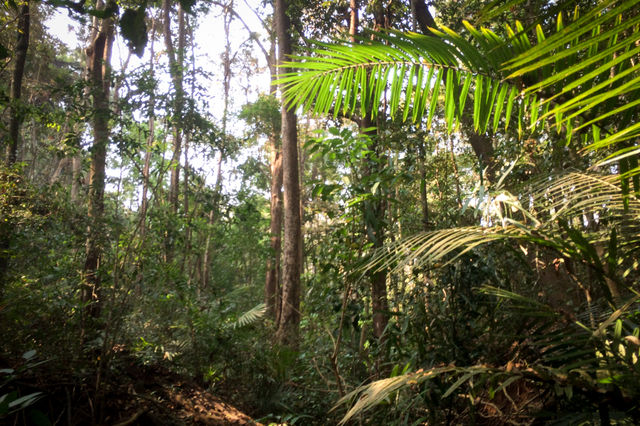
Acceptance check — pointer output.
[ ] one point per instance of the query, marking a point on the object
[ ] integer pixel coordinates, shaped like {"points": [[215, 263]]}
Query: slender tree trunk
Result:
{"points": [[187, 140], [150, 139], [424, 203], [288, 328], [226, 83], [62, 164], [98, 59], [15, 112], [272, 284], [176, 62], [206, 258], [76, 174]]}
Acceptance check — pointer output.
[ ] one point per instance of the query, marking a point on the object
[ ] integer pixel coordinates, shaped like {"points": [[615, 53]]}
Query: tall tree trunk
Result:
{"points": [[272, 287], [374, 218], [288, 328], [226, 84], [273, 271], [176, 62], [187, 140], [272, 282], [374, 210], [76, 174], [15, 122], [144, 204], [98, 60], [15, 112]]}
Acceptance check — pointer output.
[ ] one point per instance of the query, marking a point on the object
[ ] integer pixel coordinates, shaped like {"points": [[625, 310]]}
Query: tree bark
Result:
{"points": [[15, 113], [144, 204], [272, 282], [354, 20], [176, 62], [288, 328], [98, 60]]}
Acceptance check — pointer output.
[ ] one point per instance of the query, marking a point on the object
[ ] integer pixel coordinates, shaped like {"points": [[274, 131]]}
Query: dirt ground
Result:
{"points": [[147, 395]]}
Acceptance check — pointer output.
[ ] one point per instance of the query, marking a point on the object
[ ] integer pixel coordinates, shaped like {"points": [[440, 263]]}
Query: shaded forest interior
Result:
{"points": [[299, 212]]}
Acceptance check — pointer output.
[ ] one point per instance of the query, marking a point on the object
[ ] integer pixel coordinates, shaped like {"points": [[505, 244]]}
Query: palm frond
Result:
{"points": [[550, 214], [368, 396], [585, 77], [252, 315], [405, 73], [592, 76], [432, 247]]}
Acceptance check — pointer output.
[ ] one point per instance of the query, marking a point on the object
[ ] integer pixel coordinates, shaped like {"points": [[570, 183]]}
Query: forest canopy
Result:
{"points": [[338, 212]]}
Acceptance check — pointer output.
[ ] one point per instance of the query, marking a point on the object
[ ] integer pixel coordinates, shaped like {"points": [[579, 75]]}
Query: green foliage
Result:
{"points": [[263, 116], [134, 29], [508, 303], [577, 82], [251, 316], [12, 402], [566, 86]]}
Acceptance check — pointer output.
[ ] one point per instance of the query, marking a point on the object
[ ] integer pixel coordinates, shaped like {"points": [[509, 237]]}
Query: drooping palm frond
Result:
{"points": [[368, 396], [574, 357], [585, 77], [434, 246], [550, 215], [252, 315], [408, 72]]}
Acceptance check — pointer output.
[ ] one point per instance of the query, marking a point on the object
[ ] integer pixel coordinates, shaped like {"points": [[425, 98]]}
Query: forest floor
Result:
{"points": [[138, 395], [157, 396]]}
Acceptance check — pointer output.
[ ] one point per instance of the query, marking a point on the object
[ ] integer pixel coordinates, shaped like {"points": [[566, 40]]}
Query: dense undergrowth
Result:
{"points": [[509, 270], [486, 337]]}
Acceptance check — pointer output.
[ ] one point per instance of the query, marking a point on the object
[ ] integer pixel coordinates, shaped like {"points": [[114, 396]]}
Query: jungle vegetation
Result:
{"points": [[428, 214]]}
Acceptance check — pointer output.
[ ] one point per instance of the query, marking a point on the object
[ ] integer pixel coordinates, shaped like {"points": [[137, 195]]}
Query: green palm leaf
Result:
{"points": [[586, 77], [252, 315], [595, 78], [413, 68], [566, 198]]}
